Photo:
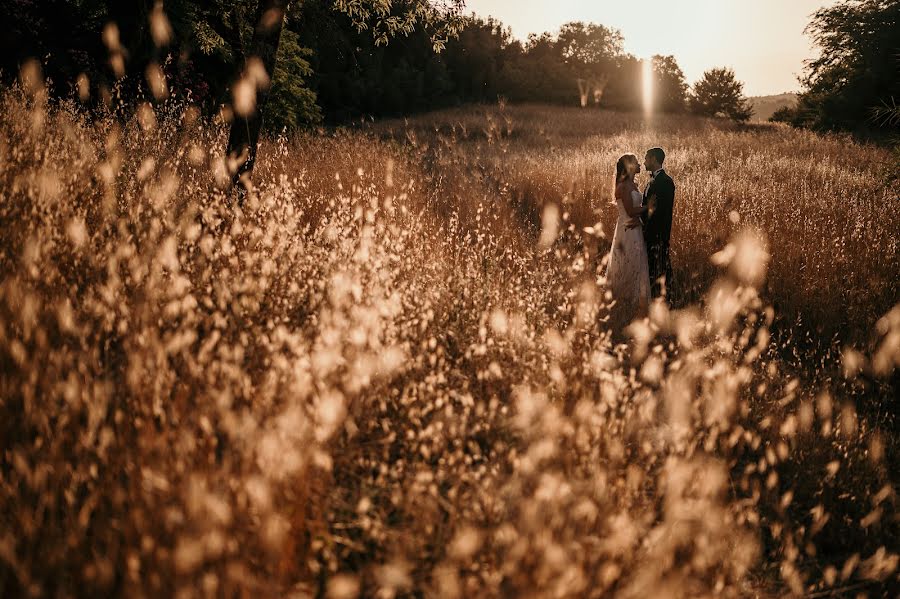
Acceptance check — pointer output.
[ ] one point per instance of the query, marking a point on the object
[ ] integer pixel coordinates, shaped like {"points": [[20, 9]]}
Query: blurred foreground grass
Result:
{"points": [[371, 379]]}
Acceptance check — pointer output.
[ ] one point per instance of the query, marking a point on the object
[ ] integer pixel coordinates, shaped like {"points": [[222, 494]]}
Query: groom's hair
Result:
{"points": [[657, 153]]}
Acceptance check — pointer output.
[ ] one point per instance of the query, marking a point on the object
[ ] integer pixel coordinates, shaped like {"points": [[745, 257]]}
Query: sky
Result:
{"points": [[762, 40]]}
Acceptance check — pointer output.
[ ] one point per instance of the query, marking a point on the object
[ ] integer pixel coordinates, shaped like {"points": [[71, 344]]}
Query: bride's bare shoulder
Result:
{"points": [[624, 187]]}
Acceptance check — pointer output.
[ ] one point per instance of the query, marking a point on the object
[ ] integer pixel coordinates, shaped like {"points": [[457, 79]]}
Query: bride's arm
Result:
{"points": [[628, 204], [634, 212]]}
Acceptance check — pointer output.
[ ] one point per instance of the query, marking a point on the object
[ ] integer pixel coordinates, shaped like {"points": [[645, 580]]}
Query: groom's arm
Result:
{"points": [[665, 209], [646, 216]]}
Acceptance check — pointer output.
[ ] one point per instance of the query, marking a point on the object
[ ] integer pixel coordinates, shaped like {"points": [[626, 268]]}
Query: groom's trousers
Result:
{"points": [[660, 268]]}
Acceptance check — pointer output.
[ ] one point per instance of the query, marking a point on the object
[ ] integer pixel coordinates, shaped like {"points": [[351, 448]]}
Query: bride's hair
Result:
{"points": [[622, 168]]}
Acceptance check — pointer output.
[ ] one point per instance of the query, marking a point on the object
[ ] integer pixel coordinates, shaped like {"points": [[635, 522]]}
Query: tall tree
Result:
{"points": [[624, 90], [549, 78], [477, 58], [858, 68], [720, 94], [589, 45], [252, 92], [385, 18], [669, 86], [590, 52]]}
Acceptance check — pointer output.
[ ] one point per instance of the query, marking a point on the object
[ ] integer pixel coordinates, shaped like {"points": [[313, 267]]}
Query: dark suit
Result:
{"points": [[657, 231]]}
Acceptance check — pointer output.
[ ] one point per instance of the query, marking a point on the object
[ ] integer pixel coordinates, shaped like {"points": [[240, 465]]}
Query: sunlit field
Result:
{"points": [[388, 372], [820, 203]]}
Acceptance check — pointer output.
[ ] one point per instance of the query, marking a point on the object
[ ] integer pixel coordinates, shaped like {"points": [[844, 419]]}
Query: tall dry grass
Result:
{"points": [[369, 380], [822, 201]]}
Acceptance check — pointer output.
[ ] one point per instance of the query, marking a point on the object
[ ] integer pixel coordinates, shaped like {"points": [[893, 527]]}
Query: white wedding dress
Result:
{"points": [[627, 274]]}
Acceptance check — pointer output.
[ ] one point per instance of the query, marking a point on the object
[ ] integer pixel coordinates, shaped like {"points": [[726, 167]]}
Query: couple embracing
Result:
{"points": [[639, 266]]}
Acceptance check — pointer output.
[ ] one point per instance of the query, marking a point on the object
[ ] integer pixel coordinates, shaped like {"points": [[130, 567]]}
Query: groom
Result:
{"points": [[659, 197]]}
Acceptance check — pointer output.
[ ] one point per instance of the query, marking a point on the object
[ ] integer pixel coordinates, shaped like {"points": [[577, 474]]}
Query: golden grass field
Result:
{"points": [[389, 373]]}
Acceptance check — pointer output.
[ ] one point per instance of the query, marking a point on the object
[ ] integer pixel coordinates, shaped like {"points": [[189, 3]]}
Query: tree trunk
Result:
{"points": [[244, 134]]}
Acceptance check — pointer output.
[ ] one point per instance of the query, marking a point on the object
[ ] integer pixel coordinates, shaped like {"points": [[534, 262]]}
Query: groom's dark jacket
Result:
{"points": [[657, 230], [658, 220]]}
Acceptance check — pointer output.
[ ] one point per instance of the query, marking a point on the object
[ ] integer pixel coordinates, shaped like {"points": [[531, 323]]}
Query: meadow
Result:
{"points": [[387, 372]]}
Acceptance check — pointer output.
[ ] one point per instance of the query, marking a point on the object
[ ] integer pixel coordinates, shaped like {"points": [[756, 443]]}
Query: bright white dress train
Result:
{"points": [[627, 274]]}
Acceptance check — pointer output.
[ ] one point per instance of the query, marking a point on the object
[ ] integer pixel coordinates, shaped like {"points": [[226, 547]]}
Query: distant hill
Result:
{"points": [[765, 106]]}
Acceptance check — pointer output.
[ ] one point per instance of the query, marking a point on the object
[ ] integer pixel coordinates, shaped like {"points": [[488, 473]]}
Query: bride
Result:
{"points": [[627, 274]]}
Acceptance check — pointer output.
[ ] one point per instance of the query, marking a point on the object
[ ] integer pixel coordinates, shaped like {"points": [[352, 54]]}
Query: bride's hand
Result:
{"points": [[633, 223]]}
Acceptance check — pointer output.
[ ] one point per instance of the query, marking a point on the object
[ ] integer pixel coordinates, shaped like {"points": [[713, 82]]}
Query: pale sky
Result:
{"points": [[762, 40]]}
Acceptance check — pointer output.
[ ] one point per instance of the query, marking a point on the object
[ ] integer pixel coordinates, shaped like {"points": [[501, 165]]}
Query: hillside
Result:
{"points": [[765, 106]]}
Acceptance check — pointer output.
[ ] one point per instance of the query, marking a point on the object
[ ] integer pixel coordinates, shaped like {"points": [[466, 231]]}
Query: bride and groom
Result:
{"points": [[639, 266]]}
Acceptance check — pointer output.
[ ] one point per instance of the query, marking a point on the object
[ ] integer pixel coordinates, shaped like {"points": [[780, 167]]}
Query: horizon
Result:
{"points": [[767, 55]]}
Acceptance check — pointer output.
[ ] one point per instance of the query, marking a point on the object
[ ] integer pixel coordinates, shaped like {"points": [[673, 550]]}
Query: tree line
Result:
{"points": [[218, 54], [854, 83], [334, 62], [312, 61], [351, 76]]}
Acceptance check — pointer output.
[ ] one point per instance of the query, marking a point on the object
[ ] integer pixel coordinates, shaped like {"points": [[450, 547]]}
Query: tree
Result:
{"points": [[238, 52], [292, 103], [669, 87], [624, 91], [785, 114], [720, 94], [888, 116], [541, 73], [251, 93], [476, 58], [65, 35], [385, 18], [589, 45], [857, 69], [590, 51], [54, 28]]}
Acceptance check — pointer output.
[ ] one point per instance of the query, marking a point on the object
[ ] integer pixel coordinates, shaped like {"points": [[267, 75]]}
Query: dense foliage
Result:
{"points": [[334, 60], [857, 74], [719, 93]]}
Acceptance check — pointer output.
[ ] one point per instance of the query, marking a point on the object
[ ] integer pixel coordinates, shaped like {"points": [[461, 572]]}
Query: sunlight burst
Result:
{"points": [[647, 77]]}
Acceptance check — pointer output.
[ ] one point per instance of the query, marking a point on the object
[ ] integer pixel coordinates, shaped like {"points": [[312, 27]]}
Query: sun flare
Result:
{"points": [[647, 78]]}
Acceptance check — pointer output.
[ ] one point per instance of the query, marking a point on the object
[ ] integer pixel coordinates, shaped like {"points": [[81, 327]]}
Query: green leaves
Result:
{"points": [[720, 94], [291, 103], [388, 18], [856, 71], [670, 89]]}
